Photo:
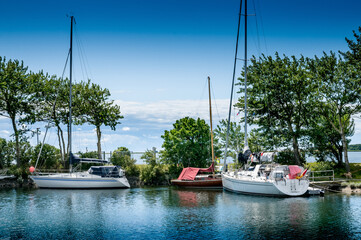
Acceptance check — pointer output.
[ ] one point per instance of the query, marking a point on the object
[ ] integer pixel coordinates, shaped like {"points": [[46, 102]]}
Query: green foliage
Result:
{"points": [[280, 96], [286, 157], [153, 173], [188, 144], [339, 93], [321, 166], [49, 157], [121, 157], [353, 56], [20, 173], [25, 151], [354, 147], [91, 154], [17, 87], [150, 158], [235, 138], [5, 161], [95, 108], [326, 141]]}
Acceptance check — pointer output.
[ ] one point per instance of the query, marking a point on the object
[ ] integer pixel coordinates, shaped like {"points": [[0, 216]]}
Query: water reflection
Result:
{"points": [[169, 213]]}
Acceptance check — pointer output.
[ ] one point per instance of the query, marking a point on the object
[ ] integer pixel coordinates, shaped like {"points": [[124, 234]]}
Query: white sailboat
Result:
{"points": [[260, 176], [96, 177]]}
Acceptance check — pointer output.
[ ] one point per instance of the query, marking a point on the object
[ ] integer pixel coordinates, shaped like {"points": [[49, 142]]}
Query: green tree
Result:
{"points": [[25, 150], [326, 141], [188, 144], [52, 106], [91, 154], [353, 56], [354, 147], [122, 157], [4, 155], [339, 93], [49, 157], [16, 88], [153, 173], [96, 109], [235, 138], [280, 96]]}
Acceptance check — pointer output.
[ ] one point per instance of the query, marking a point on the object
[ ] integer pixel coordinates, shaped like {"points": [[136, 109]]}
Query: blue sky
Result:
{"points": [[155, 56]]}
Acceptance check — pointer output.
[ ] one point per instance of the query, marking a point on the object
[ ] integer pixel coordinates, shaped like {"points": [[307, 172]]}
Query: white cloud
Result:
{"points": [[125, 129], [4, 133], [166, 112]]}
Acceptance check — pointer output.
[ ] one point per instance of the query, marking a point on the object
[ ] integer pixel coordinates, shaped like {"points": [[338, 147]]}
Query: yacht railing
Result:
{"points": [[324, 175]]}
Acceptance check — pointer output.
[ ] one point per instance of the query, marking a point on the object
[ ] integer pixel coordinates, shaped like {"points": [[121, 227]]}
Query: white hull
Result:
{"points": [[79, 181], [259, 186]]}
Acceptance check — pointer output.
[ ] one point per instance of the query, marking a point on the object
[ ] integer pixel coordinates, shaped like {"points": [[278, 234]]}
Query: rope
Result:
{"points": [[325, 188]]}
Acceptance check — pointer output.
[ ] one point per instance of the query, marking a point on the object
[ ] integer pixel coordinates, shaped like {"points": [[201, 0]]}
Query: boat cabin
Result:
{"points": [[106, 171]]}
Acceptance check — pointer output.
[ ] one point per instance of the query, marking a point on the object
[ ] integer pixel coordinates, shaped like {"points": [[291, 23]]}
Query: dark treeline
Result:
{"points": [[354, 147]]}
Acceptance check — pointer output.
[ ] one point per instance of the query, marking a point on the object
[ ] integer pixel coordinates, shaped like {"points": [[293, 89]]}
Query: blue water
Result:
{"points": [[353, 157], [169, 213]]}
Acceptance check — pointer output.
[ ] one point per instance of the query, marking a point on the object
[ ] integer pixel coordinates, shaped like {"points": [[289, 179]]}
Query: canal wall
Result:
{"points": [[7, 182]]}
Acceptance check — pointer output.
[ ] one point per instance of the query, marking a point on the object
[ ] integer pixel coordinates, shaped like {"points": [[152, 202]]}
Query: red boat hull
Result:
{"points": [[199, 183]]}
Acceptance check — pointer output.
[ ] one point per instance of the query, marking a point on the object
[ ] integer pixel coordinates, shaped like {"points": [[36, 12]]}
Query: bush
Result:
{"points": [[121, 157], [153, 175], [19, 172], [321, 166], [49, 157]]}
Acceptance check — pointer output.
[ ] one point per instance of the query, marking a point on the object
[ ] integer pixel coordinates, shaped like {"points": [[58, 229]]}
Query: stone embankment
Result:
{"points": [[7, 182]]}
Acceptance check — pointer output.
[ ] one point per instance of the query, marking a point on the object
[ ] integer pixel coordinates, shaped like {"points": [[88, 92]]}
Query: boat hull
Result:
{"points": [[283, 188], [207, 183], [75, 181]]}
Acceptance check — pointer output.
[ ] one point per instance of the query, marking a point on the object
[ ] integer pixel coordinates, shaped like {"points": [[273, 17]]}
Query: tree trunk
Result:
{"points": [[17, 147], [344, 144], [62, 144], [296, 151], [99, 135], [60, 147], [340, 162]]}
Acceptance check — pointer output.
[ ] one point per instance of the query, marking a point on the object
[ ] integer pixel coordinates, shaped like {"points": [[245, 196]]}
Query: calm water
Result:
{"points": [[167, 213], [353, 157]]}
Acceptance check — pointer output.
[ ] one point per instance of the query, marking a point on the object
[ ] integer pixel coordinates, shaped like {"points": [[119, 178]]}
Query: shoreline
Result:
{"points": [[10, 182]]}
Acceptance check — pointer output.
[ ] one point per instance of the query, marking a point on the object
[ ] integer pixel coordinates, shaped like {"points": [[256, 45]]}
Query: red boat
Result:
{"points": [[189, 177]]}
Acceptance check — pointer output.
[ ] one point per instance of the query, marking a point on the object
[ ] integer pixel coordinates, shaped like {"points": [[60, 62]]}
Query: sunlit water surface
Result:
{"points": [[170, 213]]}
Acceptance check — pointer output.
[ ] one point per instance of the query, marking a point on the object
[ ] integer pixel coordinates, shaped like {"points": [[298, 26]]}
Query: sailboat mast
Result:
{"points": [[230, 101], [210, 117], [70, 92], [245, 75]]}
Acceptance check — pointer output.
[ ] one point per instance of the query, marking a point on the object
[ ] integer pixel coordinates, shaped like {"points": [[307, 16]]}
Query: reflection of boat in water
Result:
{"points": [[95, 177], [189, 176], [194, 198], [261, 179]]}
